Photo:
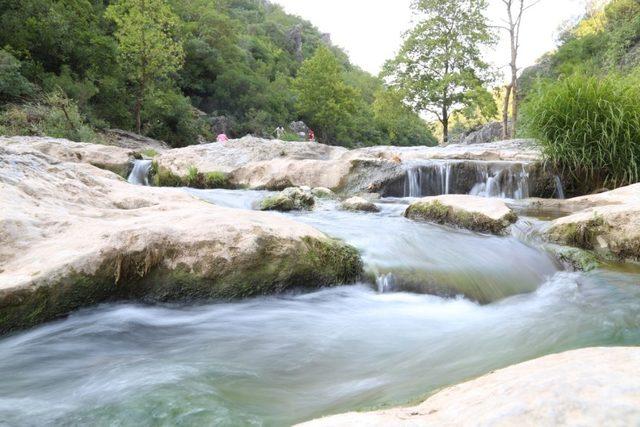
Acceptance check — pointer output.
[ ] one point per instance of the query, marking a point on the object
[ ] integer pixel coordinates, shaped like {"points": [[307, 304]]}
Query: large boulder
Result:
{"points": [[471, 212], [593, 386], [290, 199], [73, 235], [488, 132]]}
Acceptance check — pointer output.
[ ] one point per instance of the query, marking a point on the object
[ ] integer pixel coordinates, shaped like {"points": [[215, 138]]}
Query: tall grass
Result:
{"points": [[588, 127]]}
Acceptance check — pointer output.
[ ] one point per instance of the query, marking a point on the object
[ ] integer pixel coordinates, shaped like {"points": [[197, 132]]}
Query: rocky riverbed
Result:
{"points": [[198, 308]]}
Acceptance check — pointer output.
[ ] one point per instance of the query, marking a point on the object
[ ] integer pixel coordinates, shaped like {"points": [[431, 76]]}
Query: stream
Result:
{"points": [[448, 305]]}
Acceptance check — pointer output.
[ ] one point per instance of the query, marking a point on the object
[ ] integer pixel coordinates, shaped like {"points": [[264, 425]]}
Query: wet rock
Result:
{"points": [[359, 204], [590, 386], [607, 223], [471, 212], [323, 193], [73, 235], [290, 199]]}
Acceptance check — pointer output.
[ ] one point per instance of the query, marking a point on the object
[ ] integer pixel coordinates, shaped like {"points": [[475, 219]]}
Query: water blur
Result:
{"points": [[288, 358], [140, 173]]}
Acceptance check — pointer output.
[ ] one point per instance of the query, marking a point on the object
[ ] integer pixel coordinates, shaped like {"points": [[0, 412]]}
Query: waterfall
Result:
{"points": [[559, 187], [140, 173], [486, 179], [386, 283]]}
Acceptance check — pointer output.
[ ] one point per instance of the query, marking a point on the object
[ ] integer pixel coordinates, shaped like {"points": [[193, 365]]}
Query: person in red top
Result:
{"points": [[312, 136]]}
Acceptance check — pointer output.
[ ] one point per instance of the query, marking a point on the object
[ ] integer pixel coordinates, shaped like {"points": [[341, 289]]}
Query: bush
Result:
{"points": [[588, 127], [54, 115]]}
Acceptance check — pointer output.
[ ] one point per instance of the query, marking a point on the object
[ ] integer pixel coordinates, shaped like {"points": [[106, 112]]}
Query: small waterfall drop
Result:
{"points": [[559, 188], [386, 283], [486, 179], [140, 173]]}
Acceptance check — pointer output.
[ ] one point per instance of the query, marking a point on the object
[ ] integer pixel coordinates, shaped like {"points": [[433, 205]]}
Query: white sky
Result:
{"points": [[371, 30]]}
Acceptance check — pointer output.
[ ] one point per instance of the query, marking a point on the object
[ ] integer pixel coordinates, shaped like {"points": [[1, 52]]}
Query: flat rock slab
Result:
{"points": [[72, 235], [593, 386], [475, 213]]}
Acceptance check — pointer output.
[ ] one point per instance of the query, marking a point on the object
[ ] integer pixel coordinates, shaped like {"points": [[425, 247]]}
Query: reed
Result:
{"points": [[588, 127]]}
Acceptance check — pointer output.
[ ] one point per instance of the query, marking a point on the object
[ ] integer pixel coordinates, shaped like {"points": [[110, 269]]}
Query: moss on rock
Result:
{"points": [[291, 199], [141, 275], [436, 211]]}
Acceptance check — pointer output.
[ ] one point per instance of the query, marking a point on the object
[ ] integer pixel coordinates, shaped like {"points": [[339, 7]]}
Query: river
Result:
{"points": [[449, 305]]}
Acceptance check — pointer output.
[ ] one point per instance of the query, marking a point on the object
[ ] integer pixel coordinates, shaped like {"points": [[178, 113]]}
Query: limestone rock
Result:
{"points": [[73, 235], [359, 204], [471, 212], [608, 223], [593, 386], [290, 199], [109, 157]]}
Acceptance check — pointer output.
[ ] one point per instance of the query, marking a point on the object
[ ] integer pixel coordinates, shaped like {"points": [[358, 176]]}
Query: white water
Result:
{"points": [[498, 179], [140, 173], [289, 358]]}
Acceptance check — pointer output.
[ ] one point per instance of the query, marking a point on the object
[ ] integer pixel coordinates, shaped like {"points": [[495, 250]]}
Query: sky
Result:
{"points": [[370, 31]]}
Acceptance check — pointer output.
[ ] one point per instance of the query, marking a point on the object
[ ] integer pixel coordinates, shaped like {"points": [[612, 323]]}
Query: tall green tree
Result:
{"points": [[440, 66], [147, 44], [324, 100]]}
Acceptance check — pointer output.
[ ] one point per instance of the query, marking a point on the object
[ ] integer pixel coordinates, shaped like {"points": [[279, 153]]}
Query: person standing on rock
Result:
{"points": [[222, 138], [279, 132], [312, 136]]}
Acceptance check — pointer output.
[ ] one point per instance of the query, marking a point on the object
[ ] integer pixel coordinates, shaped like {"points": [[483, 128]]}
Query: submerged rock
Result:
{"points": [[290, 199], [73, 235], [470, 212], [591, 386], [359, 204], [323, 193]]}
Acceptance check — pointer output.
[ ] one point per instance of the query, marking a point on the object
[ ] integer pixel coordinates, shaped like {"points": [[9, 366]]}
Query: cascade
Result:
{"points": [[140, 173], [486, 179]]}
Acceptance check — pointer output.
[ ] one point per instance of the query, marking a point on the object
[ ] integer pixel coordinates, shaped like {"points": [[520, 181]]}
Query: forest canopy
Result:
{"points": [[211, 66]]}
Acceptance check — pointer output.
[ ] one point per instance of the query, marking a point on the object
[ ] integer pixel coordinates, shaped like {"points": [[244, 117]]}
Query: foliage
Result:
{"points": [[398, 122], [600, 43], [589, 127], [146, 32], [13, 85], [241, 58], [54, 115], [324, 100], [439, 67]]}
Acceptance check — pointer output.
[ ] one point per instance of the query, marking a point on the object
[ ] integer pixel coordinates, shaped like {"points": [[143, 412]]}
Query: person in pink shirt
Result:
{"points": [[312, 136], [222, 138]]}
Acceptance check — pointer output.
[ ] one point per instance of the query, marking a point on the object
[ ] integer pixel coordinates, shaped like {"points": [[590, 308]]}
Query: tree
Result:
{"points": [[324, 100], [147, 45], [439, 66], [513, 24], [398, 122]]}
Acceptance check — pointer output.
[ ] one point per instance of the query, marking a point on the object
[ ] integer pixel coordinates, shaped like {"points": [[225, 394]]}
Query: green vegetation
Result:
{"points": [[582, 101], [195, 179], [53, 115], [440, 213], [439, 68], [589, 127], [180, 70], [149, 153]]}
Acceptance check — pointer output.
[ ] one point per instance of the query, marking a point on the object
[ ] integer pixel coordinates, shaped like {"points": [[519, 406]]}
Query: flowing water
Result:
{"points": [[140, 173], [487, 179], [288, 358]]}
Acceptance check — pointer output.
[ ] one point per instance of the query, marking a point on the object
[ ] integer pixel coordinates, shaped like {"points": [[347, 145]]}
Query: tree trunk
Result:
{"points": [[445, 126], [514, 101], [506, 133]]}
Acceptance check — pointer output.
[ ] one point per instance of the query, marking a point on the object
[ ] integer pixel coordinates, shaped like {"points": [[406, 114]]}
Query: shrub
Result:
{"points": [[216, 180], [54, 115], [588, 127]]}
